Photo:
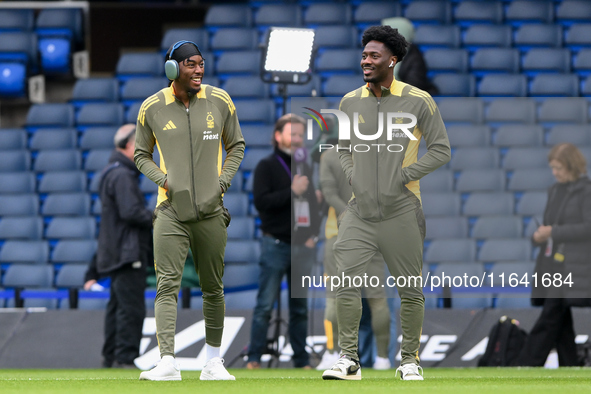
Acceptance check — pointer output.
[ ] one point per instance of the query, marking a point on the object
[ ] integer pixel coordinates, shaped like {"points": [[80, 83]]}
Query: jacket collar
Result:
{"points": [[123, 160]]}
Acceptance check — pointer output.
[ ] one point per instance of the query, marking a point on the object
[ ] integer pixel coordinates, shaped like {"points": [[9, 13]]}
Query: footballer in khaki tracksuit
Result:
{"points": [[190, 213], [386, 215]]}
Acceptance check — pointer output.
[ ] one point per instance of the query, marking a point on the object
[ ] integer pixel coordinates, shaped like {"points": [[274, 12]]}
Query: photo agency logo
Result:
{"points": [[398, 125]]}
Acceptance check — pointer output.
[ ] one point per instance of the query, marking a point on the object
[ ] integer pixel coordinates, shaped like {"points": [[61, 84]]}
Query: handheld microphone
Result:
{"points": [[299, 156]]}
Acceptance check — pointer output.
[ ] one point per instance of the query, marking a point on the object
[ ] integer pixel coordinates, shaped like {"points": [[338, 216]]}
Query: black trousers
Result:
{"points": [[126, 311], [553, 329]]}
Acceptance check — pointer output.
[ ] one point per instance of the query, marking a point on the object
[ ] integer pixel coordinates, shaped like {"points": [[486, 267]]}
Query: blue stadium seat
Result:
{"points": [[252, 156], [147, 186], [459, 268], [327, 14], [339, 85], [239, 62], [288, 15], [174, 35], [446, 60], [16, 19], [498, 226], [468, 12], [474, 158], [446, 227], [573, 10], [532, 203], [25, 252], [63, 182], [58, 160], [511, 301], [500, 203], [505, 249], [339, 60], [546, 60], [19, 204], [132, 112], [241, 276], [237, 181], [55, 55], [98, 138], [17, 182], [242, 251], [336, 36], [245, 39], [487, 36], [440, 180], [20, 47], [468, 135], [461, 110], [522, 158], [66, 204], [514, 135], [505, 60], [97, 159], [83, 227], [60, 22], [28, 227], [514, 85], [71, 276], [433, 12], [372, 12], [105, 90], [578, 35], [13, 139], [139, 89], [24, 275], [566, 85], [520, 11], [18, 160], [440, 203], [139, 65], [103, 114], [261, 111], [531, 179], [228, 15], [236, 203], [74, 251], [49, 115], [481, 181], [513, 110], [566, 109], [582, 61], [461, 85], [428, 36], [452, 249], [246, 86], [539, 35], [579, 135], [241, 300], [241, 228], [54, 139], [13, 79]]}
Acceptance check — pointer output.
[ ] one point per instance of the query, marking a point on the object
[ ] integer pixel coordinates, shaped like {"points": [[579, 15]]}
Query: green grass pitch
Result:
{"points": [[287, 381]]}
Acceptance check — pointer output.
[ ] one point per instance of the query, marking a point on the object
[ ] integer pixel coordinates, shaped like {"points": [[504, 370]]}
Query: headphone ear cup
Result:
{"points": [[171, 69]]}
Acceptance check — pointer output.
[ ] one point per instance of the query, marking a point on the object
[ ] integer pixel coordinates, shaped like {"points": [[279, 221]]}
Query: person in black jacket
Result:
{"points": [[124, 250], [288, 208], [563, 262]]}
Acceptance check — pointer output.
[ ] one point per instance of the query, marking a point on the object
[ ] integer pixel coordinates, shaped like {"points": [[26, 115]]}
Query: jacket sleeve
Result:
{"points": [[144, 149], [265, 198], [329, 185], [130, 202], [573, 232], [234, 145], [438, 149]]}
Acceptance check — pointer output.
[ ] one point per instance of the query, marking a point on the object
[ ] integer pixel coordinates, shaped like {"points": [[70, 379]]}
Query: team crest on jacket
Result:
{"points": [[210, 120]]}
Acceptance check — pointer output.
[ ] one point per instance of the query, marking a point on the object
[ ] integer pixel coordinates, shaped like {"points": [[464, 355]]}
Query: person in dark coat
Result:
{"points": [[124, 250], [564, 239]]}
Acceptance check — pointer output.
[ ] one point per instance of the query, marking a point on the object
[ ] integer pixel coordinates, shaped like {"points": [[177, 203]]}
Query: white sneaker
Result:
{"points": [[328, 360], [382, 363], [345, 368], [164, 370], [215, 370], [410, 372]]}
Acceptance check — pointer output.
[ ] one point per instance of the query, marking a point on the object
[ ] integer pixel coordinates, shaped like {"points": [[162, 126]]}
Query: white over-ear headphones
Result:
{"points": [[391, 64]]}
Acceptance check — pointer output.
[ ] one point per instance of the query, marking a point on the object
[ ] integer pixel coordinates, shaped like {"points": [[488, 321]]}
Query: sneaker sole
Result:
{"points": [[330, 375], [413, 377], [164, 378], [206, 376]]}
